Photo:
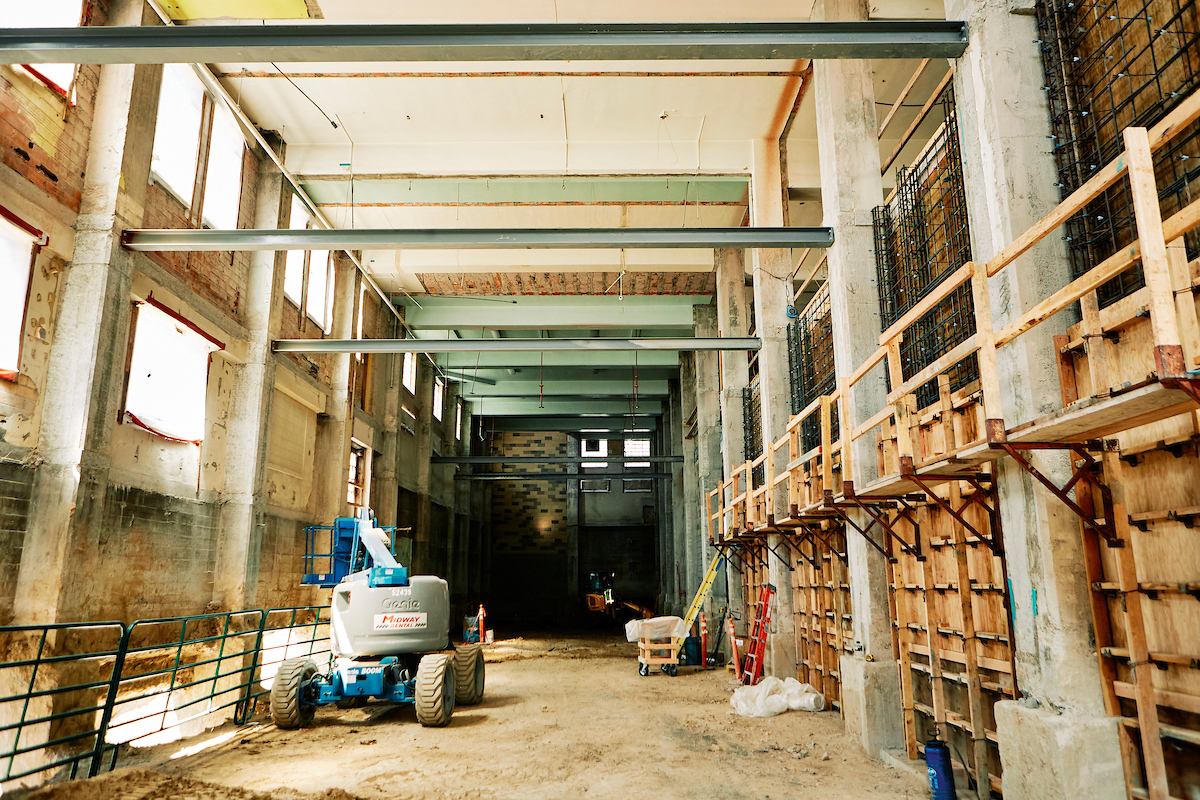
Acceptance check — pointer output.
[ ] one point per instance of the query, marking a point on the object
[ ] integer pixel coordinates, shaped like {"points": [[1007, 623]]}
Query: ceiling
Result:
{"points": [[551, 144]]}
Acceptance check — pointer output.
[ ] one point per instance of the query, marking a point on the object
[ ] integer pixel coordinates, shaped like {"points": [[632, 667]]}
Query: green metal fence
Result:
{"points": [[71, 694]]}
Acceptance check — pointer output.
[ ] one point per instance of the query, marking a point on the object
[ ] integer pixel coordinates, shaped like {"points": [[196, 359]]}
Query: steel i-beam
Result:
{"points": [[268, 239], [492, 345], [321, 42]]}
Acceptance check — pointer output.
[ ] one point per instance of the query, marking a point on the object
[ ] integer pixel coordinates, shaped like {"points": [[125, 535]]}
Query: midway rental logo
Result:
{"points": [[400, 622]]}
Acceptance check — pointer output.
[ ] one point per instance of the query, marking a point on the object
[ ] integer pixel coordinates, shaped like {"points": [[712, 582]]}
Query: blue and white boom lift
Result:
{"points": [[389, 634]]}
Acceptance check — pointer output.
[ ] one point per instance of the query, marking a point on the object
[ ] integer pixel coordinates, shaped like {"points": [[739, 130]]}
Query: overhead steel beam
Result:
{"points": [[549, 312], [317, 42], [268, 239], [603, 411], [583, 427], [562, 476], [610, 359], [499, 345], [551, 459], [553, 388]]}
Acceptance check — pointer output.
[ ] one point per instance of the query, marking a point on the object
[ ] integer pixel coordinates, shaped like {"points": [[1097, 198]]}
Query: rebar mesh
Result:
{"points": [[811, 366], [1110, 65], [921, 237], [752, 425]]}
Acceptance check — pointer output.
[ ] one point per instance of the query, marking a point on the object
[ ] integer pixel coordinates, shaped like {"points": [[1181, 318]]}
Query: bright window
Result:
{"points": [[635, 448], [410, 372], [293, 270], [168, 376], [320, 299], [458, 420], [16, 263], [177, 132], [356, 488], [223, 180], [46, 14], [439, 397], [595, 448]]}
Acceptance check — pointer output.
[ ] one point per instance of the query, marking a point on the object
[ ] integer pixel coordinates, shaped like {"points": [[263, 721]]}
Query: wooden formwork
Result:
{"points": [[821, 605]]}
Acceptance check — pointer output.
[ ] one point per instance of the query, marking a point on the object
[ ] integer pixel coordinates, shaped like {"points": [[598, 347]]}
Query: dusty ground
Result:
{"points": [[561, 718]]}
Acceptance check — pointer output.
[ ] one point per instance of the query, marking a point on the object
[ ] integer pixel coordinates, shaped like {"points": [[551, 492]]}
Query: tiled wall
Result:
{"points": [[529, 516]]}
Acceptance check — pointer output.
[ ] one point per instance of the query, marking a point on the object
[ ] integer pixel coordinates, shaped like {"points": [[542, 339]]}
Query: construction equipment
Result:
{"points": [[389, 634], [753, 669], [600, 598]]}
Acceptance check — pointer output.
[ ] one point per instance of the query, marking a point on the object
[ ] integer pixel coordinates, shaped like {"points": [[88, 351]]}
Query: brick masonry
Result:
{"points": [[529, 517]]}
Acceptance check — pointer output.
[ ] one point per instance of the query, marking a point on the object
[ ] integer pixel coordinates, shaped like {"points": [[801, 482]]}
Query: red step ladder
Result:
{"points": [[752, 672]]}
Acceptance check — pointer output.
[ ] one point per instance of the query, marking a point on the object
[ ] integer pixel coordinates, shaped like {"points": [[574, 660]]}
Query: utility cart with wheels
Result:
{"points": [[659, 640], [390, 638]]}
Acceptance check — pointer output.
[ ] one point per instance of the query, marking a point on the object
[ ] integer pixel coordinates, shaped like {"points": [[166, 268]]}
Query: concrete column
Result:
{"points": [[772, 296], [84, 376], [686, 543], [422, 536], [848, 145], [243, 507], [733, 319], [387, 466], [672, 559], [333, 433], [1056, 741], [573, 498], [706, 446]]}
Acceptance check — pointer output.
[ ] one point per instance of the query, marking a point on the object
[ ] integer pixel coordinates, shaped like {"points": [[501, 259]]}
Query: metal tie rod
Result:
{"points": [[320, 42], [494, 345], [198, 240]]}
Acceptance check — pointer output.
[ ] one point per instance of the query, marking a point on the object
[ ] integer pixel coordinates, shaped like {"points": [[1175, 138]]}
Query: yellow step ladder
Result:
{"points": [[702, 592]]}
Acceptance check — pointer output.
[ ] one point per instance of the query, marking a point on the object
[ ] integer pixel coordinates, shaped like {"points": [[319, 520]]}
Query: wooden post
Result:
{"points": [[1185, 309], [947, 410], [846, 425], [1066, 371], [1094, 346], [1135, 629], [793, 471], [989, 373], [929, 580], [970, 643], [826, 444], [1168, 349]]}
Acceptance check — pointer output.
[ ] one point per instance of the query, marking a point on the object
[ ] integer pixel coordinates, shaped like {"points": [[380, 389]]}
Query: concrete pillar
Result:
{"points": [[243, 507], [386, 467], [848, 146], [772, 296], [573, 497], [1057, 741], [706, 446], [733, 319], [672, 559], [333, 433], [422, 535], [686, 544], [84, 376]]}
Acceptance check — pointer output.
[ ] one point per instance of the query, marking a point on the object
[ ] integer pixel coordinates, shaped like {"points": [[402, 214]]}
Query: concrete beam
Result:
{"points": [[565, 388], [202, 239], [317, 42], [550, 459], [532, 313], [527, 345], [555, 359]]}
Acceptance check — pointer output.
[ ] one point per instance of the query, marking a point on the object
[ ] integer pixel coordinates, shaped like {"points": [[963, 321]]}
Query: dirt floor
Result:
{"points": [[561, 718]]}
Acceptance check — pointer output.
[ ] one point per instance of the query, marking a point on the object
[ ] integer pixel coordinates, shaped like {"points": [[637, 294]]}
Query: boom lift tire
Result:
{"points": [[288, 709], [435, 690], [468, 675]]}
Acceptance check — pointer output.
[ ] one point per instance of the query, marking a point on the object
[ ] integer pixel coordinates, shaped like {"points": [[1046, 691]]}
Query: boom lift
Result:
{"points": [[389, 634]]}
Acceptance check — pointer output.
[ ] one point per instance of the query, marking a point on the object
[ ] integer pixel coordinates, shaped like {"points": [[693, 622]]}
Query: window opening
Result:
{"points": [[293, 270], [595, 448], [458, 418], [439, 397], [47, 14], [594, 486], [319, 304], [410, 372], [176, 151], [17, 249], [356, 488], [223, 177], [168, 375], [635, 448]]}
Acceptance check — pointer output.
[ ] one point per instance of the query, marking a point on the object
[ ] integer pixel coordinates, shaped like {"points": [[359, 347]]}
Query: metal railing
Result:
{"points": [[72, 693]]}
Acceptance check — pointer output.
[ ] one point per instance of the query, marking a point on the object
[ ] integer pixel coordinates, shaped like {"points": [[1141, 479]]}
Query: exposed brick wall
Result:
{"points": [[42, 138], [318, 365], [529, 517], [16, 485], [217, 277]]}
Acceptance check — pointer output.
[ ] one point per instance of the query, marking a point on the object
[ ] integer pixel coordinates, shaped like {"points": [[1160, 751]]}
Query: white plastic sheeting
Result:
{"points": [[655, 628], [773, 696]]}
